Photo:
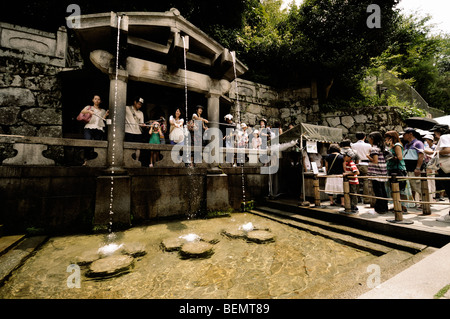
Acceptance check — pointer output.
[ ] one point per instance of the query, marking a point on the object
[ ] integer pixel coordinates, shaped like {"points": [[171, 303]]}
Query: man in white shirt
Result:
{"points": [[362, 149], [134, 122]]}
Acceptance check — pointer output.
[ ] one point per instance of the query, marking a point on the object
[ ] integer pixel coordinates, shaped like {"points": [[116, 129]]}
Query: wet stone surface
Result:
{"points": [[260, 236], [110, 266], [196, 249], [297, 264], [172, 244], [134, 249]]}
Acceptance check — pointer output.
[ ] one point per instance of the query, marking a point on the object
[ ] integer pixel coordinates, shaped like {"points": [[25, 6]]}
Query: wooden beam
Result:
{"points": [[222, 67], [175, 56]]}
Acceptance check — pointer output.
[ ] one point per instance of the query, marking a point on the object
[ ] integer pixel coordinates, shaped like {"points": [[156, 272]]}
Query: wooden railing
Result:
{"points": [[395, 193]]}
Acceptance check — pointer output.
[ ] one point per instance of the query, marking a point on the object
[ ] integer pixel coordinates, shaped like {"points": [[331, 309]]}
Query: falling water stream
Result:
{"points": [[238, 111], [187, 139], [110, 246]]}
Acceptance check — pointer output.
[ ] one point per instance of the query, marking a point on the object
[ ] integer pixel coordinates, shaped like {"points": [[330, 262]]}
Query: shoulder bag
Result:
{"points": [[85, 117]]}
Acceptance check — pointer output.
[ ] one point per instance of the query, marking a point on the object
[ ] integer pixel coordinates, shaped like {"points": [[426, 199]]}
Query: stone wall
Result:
{"points": [[30, 87], [31, 62], [256, 101], [63, 199]]}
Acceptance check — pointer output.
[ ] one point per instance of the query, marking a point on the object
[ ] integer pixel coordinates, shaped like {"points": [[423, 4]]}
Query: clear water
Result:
{"points": [[296, 265]]}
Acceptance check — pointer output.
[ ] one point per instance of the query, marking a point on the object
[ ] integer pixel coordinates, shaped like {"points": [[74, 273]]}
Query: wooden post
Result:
{"points": [[316, 191], [395, 190], [347, 202], [426, 208]]}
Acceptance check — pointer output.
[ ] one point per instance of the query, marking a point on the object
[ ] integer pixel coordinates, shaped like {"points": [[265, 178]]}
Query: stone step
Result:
{"points": [[7, 242], [17, 255], [348, 232]]}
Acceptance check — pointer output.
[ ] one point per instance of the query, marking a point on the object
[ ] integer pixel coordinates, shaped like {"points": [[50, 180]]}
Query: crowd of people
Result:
{"points": [[154, 132], [407, 153]]}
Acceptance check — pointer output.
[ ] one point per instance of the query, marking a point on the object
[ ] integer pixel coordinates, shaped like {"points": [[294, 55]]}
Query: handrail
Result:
{"points": [[29, 151], [395, 190]]}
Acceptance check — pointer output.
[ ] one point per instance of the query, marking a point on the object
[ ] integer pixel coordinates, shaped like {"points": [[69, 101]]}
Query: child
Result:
{"points": [[256, 141], [155, 138], [351, 170]]}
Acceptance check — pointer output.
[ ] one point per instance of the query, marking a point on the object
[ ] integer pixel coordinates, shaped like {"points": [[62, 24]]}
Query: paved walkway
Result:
{"points": [[427, 279]]}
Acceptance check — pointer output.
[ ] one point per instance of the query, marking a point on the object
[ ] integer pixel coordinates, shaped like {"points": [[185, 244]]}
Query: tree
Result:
{"points": [[419, 58], [341, 41]]}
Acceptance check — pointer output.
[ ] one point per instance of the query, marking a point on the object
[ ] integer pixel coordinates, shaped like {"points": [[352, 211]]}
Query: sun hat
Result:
{"points": [[348, 152], [439, 127]]}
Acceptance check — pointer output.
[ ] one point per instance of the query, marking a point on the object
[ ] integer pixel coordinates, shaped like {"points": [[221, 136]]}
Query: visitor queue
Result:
{"points": [[406, 153]]}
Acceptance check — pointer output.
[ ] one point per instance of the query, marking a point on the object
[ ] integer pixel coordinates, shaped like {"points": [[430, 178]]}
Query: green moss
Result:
{"points": [[219, 213], [442, 292], [247, 206]]}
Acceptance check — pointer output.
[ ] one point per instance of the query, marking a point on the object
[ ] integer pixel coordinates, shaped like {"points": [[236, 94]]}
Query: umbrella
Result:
{"points": [[423, 123], [443, 120]]}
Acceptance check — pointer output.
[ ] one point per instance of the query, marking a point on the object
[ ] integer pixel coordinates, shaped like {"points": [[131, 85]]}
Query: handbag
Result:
{"points": [[444, 164], [433, 163], [84, 117]]}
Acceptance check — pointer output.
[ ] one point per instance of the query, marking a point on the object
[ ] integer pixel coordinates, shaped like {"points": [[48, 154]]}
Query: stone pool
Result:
{"points": [[296, 264]]}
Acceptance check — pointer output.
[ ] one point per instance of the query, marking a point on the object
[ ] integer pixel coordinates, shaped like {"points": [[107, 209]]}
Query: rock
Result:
{"points": [[198, 249], [347, 121], [172, 244], [50, 131], [134, 249], [334, 121], [210, 238], [26, 130], [110, 266], [260, 236], [234, 233], [40, 116], [360, 118], [86, 258], [16, 97], [9, 115]]}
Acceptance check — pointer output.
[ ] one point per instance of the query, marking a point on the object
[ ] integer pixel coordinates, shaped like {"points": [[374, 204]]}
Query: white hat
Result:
{"points": [[429, 137], [243, 125], [255, 132], [228, 116]]}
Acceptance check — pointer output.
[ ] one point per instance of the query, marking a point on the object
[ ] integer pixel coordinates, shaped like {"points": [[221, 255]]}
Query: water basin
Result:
{"points": [[297, 264]]}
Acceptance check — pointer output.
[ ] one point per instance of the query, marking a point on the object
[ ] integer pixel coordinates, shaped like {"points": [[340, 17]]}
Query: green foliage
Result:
{"points": [[405, 109], [325, 40], [420, 59]]}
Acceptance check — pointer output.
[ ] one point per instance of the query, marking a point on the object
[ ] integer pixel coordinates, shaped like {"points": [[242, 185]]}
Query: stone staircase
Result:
{"points": [[375, 243], [14, 251]]}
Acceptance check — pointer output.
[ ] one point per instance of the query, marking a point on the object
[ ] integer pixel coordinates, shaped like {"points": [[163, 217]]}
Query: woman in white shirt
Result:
{"points": [[176, 135], [94, 129], [442, 133]]}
